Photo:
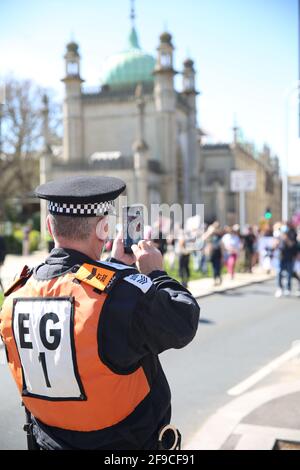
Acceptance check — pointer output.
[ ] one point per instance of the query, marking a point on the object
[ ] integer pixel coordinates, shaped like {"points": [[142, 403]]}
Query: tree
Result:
{"points": [[22, 138]]}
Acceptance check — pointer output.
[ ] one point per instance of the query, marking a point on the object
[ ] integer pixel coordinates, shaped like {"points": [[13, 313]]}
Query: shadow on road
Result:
{"points": [[254, 292], [206, 321], [230, 293]]}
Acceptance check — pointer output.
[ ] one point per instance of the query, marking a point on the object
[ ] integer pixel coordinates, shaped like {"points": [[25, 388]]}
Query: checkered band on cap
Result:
{"points": [[84, 210]]}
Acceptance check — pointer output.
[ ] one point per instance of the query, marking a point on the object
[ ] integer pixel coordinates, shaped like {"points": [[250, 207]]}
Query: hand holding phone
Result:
{"points": [[148, 257], [118, 253], [133, 226]]}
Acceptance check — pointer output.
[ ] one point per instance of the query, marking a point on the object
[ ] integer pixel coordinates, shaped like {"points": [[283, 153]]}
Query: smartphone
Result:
{"points": [[133, 226]]}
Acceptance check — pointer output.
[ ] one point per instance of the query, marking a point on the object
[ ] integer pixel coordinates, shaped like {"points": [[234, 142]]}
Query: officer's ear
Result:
{"points": [[102, 229], [48, 222]]}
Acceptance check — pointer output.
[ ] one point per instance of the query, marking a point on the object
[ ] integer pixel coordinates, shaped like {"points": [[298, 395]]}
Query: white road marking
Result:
{"points": [[256, 437], [266, 370], [216, 430]]}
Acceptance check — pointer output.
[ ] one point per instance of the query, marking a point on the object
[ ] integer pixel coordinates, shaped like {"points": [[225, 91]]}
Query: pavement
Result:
{"points": [[14, 263], [264, 413], [265, 407], [261, 418], [205, 287]]}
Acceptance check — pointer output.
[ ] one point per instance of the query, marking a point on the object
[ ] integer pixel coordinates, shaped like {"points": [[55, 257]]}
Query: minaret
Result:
{"points": [[132, 13], [192, 160], [164, 90], [72, 110], [140, 149], [165, 104], [235, 130], [188, 82], [133, 38]]}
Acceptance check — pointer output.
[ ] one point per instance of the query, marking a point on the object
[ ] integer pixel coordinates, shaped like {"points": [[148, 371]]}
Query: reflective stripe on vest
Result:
{"points": [[52, 345]]}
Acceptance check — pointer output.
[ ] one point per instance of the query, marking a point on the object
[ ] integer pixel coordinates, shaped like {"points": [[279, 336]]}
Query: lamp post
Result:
{"points": [[1, 118], [44, 165], [290, 93]]}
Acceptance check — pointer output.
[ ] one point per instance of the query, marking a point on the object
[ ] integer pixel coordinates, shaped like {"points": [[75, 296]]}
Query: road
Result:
{"points": [[240, 332]]}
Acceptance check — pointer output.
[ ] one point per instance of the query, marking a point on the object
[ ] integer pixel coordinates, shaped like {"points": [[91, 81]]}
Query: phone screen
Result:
{"points": [[133, 226]]}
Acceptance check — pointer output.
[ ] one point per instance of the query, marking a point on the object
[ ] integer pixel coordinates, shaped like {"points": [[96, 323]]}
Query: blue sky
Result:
{"points": [[245, 53]]}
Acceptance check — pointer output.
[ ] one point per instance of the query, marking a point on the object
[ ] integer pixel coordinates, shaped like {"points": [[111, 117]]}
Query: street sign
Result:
{"points": [[242, 180]]}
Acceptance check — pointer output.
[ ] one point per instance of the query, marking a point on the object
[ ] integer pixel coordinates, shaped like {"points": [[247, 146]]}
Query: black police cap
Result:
{"points": [[81, 196]]}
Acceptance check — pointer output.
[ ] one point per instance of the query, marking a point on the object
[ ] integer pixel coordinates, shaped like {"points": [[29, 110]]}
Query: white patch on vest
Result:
{"points": [[42, 329], [115, 265], [141, 281]]}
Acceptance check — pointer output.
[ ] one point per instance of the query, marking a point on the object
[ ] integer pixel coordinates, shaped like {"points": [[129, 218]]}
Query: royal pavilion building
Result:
{"points": [[136, 126]]}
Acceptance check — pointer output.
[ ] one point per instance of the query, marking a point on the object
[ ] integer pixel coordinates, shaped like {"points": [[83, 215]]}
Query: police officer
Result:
{"points": [[83, 336]]}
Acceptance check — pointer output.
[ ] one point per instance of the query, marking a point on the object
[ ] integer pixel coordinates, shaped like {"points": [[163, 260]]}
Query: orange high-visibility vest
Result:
{"points": [[50, 330]]}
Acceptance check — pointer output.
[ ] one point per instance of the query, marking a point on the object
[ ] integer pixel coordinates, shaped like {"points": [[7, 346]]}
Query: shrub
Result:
{"points": [[13, 245], [14, 242], [34, 240]]}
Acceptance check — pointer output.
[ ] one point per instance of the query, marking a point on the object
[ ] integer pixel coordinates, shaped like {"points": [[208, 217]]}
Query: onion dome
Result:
{"points": [[127, 68]]}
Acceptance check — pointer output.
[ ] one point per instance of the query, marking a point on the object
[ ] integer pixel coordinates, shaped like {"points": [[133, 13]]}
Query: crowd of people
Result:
{"points": [[274, 248]]}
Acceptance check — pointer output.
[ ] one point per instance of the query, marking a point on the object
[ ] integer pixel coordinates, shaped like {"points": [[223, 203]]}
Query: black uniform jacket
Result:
{"points": [[136, 327]]}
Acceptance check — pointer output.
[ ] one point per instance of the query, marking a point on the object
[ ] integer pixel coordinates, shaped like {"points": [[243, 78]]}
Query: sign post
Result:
{"points": [[241, 182], [242, 209]]}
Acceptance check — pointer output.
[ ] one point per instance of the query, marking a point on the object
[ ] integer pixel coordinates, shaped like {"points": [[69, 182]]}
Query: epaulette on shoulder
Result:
{"points": [[117, 266], [139, 280], [102, 275], [19, 280]]}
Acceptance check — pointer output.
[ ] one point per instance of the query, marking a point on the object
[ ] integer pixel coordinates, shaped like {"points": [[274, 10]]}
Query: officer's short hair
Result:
{"points": [[73, 228]]}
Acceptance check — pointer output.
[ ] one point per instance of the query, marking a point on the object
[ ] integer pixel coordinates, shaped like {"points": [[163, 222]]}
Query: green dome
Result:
{"points": [[128, 67]]}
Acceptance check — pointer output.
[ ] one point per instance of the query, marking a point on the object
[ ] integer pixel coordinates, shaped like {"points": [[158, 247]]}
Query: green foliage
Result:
{"points": [[1, 298], [12, 212], [13, 245], [34, 240], [36, 220], [14, 242], [195, 275]]}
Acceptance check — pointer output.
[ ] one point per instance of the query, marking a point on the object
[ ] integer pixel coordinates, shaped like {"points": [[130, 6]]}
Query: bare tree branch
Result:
{"points": [[22, 137]]}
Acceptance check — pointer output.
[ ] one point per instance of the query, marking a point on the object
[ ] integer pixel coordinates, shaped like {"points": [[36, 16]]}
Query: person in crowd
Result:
{"points": [[183, 260], [159, 238], [287, 246], [171, 252], [232, 245], [296, 270], [249, 241], [26, 240], [195, 241], [216, 253], [267, 247], [204, 254]]}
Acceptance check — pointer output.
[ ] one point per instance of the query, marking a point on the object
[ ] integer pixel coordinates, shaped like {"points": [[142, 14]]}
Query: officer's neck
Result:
{"points": [[92, 249]]}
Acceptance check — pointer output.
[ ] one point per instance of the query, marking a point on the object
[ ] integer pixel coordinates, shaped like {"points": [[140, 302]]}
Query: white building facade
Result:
{"points": [[136, 126]]}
